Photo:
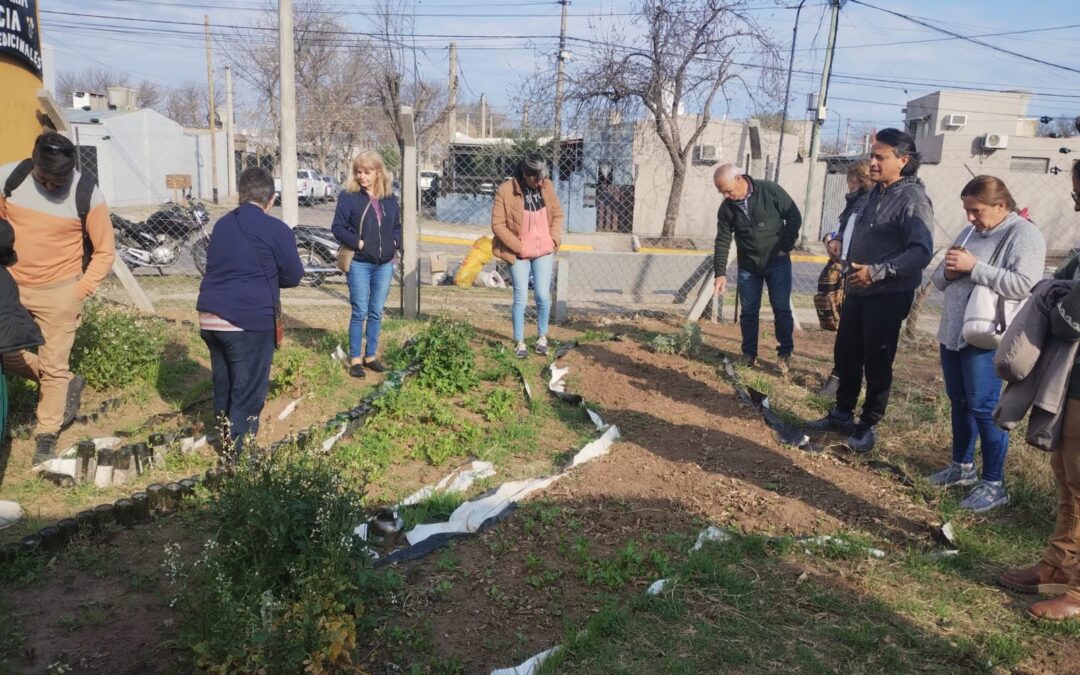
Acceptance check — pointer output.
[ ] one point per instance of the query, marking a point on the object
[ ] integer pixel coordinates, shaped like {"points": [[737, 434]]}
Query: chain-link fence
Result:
{"points": [[638, 227]]}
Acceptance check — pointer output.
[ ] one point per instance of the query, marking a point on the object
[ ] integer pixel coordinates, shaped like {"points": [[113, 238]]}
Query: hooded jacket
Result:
{"points": [[17, 327], [508, 217], [892, 236]]}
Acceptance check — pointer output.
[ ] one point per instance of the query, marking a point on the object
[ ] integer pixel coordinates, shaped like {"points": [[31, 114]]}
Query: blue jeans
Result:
{"points": [[541, 274], [973, 388], [777, 276], [240, 370], [369, 284]]}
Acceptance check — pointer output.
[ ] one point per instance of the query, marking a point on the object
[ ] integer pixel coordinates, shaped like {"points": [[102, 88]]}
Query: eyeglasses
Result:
{"points": [[57, 149]]}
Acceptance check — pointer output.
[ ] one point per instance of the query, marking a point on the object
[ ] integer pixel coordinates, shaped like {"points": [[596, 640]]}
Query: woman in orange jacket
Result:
{"points": [[527, 221]]}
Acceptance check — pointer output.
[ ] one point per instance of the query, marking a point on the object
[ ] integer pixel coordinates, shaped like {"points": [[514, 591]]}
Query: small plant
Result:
{"points": [[278, 587], [499, 405], [114, 348], [286, 370], [688, 342], [447, 362]]}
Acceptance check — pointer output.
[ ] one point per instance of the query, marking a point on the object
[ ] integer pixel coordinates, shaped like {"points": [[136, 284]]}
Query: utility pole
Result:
{"points": [[525, 118], [451, 95], [787, 93], [290, 209], [213, 112], [230, 131], [557, 137], [819, 117], [847, 135], [483, 116]]}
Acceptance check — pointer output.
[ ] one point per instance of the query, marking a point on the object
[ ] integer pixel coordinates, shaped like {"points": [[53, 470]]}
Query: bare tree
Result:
{"points": [[685, 53], [187, 105], [98, 79], [391, 21], [1059, 127]]}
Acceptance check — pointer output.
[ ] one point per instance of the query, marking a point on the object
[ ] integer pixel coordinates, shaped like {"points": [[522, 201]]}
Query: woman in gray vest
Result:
{"points": [[1006, 253]]}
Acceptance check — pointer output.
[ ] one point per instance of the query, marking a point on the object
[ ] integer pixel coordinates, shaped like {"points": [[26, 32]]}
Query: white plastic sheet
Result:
{"points": [[711, 533], [597, 448], [10, 513], [528, 667], [657, 587], [289, 409], [330, 442], [458, 480]]}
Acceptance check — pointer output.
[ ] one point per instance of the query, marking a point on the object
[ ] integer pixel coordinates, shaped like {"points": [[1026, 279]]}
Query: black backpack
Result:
{"points": [[84, 192]]}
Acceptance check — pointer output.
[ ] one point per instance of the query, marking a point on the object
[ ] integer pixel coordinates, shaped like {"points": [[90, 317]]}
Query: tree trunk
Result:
{"points": [[911, 325], [674, 201]]}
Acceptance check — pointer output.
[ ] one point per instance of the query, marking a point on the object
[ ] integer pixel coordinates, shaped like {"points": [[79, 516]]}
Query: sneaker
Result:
{"points": [[542, 346], [747, 361], [45, 450], [74, 399], [521, 351], [954, 474], [784, 364], [862, 439], [830, 422], [986, 495], [828, 390]]}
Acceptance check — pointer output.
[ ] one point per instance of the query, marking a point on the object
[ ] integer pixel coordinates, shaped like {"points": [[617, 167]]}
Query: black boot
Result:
{"points": [[45, 450]]}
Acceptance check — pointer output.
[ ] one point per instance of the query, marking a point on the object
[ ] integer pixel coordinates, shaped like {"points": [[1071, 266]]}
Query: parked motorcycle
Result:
{"points": [[158, 241], [318, 251]]}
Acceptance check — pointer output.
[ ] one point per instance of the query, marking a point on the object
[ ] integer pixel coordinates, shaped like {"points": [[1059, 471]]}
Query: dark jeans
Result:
{"points": [[240, 367], [866, 345], [777, 276], [973, 389]]}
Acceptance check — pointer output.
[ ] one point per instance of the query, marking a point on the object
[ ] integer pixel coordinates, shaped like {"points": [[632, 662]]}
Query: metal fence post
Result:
{"points": [[410, 272], [562, 288]]}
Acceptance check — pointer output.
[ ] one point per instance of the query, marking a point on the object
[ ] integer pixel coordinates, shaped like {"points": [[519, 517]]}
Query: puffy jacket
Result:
{"points": [[892, 235], [381, 236], [773, 227], [17, 328], [508, 214]]}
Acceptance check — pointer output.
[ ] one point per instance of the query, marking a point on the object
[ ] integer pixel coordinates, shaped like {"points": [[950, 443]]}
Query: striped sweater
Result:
{"points": [[48, 234]]}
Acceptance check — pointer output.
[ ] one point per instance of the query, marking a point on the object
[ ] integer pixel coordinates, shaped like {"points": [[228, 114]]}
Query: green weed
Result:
{"points": [[115, 348]]}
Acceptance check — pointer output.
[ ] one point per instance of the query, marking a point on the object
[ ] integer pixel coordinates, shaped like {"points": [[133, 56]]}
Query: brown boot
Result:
{"points": [[1062, 608], [1041, 578]]}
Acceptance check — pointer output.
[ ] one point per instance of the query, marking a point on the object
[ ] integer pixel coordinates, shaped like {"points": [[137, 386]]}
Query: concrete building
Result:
{"points": [[961, 134], [132, 151]]}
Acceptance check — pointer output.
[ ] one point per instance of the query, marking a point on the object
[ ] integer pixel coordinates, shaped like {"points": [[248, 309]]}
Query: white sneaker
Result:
{"points": [[542, 346]]}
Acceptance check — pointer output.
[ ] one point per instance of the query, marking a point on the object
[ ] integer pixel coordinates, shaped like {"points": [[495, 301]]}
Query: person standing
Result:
{"points": [[527, 221], [252, 255], [890, 245], [764, 222], [1006, 253], [368, 221], [65, 249], [1058, 571]]}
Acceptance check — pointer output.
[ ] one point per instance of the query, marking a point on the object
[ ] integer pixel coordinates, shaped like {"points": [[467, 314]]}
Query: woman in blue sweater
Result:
{"points": [[368, 221], [251, 256]]}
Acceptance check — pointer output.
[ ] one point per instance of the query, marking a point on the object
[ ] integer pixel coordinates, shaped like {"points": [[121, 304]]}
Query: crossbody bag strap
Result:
{"points": [[999, 306], [360, 223]]}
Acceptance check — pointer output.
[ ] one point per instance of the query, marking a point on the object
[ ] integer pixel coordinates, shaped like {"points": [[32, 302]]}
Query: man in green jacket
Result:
{"points": [[764, 222]]}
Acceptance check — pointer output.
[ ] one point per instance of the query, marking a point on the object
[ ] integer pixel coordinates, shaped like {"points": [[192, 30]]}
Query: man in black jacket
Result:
{"points": [[764, 222], [890, 246]]}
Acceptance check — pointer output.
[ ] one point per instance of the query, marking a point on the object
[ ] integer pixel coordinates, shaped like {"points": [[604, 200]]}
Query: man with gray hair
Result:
{"points": [[764, 222]]}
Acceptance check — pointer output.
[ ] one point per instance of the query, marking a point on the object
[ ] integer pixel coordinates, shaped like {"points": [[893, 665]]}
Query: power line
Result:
{"points": [[971, 39]]}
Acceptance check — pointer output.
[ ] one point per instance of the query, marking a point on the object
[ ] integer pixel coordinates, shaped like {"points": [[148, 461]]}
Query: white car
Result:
{"points": [[310, 186], [425, 179]]}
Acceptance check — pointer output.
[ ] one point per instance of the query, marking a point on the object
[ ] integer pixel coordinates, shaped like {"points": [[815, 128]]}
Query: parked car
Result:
{"points": [[425, 179], [333, 187], [311, 187]]}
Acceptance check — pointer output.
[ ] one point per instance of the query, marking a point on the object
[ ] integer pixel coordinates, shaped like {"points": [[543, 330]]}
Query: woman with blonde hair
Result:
{"points": [[367, 224]]}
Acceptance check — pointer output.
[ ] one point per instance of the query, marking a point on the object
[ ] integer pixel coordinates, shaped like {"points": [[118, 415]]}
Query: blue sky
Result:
{"points": [[492, 64]]}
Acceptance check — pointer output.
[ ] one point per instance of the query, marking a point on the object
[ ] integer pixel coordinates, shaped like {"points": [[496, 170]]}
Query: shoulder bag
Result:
{"points": [[345, 254], [988, 314]]}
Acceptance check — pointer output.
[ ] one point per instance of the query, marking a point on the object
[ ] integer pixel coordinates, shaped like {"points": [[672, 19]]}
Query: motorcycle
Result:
{"points": [[159, 240], [318, 251]]}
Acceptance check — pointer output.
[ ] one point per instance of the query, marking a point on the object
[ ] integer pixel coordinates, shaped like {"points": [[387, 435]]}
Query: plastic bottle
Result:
{"points": [[140, 507], [122, 465], [124, 509], [156, 493], [85, 462], [51, 540], [104, 474], [156, 450]]}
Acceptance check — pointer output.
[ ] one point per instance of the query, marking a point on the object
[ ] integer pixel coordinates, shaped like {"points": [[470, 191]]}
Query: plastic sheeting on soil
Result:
{"points": [[528, 667], [458, 480], [475, 515]]}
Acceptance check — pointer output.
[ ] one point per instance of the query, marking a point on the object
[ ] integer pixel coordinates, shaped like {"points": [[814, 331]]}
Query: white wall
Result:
{"points": [[202, 183]]}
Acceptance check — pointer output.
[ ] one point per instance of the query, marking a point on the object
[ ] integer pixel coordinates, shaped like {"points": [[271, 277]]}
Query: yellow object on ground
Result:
{"points": [[478, 256]]}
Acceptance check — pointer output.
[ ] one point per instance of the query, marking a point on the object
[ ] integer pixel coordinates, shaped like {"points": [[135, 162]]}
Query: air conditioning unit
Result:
{"points": [[954, 121], [995, 141], [706, 153]]}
